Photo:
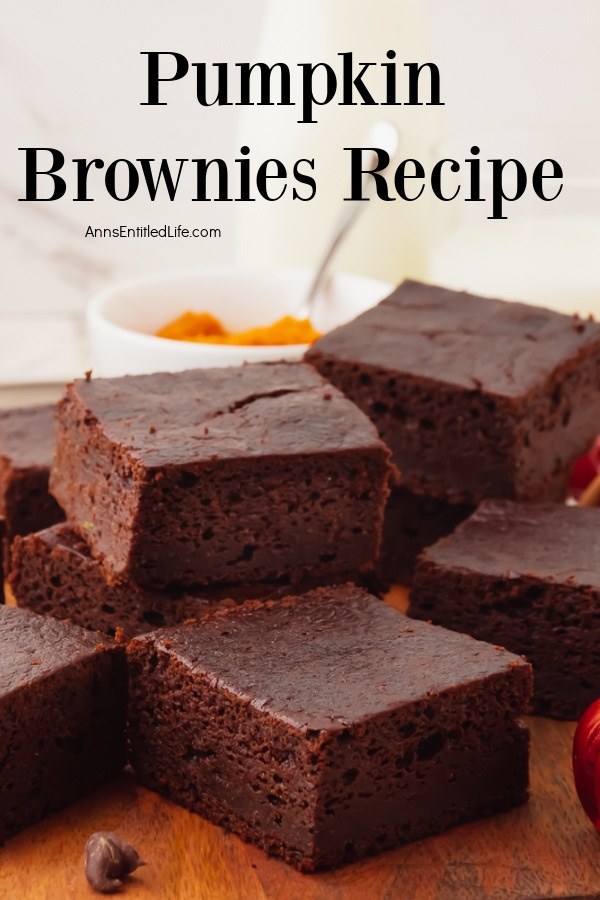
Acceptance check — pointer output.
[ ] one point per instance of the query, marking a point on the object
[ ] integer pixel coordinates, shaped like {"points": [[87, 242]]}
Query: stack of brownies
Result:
{"points": [[479, 398], [184, 489], [294, 707]]}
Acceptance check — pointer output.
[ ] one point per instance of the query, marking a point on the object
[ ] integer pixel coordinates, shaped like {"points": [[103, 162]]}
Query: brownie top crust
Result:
{"points": [[478, 343], [27, 436], [62, 535], [207, 414], [549, 541], [329, 658], [32, 646]]}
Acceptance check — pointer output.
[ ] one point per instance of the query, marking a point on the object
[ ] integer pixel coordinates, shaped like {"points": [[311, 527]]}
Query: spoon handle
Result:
{"points": [[349, 214]]}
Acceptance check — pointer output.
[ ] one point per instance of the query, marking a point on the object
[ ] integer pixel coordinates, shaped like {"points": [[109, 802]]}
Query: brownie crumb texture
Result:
{"points": [[53, 573]]}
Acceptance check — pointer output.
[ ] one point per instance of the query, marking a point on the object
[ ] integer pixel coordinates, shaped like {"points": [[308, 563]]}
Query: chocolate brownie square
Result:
{"points": [[476, 397], [62, 708], [328, 726], [411, 523], [526, 576], [26, 451], [244, 474], [53, 573]]}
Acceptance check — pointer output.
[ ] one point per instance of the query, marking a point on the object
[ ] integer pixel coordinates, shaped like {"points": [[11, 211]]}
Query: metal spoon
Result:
{"points": [[384, 136]]}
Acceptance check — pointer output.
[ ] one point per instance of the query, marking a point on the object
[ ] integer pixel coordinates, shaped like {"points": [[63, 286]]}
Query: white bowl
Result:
{"points": [[122, 320]]}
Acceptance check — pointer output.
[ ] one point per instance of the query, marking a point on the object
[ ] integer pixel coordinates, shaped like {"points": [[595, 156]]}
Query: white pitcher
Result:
{"points": [[389, 241]]}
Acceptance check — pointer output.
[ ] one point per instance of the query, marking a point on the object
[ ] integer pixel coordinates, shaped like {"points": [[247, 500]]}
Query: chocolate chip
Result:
{"points": [[108, 859]]}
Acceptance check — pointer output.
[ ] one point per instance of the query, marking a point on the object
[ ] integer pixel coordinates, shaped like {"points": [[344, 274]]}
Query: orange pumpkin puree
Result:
{"points": [[204, 328]]}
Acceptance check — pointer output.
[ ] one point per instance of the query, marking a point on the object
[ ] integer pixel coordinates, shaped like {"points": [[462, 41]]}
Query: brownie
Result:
{"points": [[53, 573], [476, 397], [26, 451], [526, 576], [241, 474], [411, 523], [62, 708], [328, 726]]}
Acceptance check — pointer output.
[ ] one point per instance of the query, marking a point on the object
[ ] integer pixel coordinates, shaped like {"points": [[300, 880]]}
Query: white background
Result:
{"points": [[72, 77]]}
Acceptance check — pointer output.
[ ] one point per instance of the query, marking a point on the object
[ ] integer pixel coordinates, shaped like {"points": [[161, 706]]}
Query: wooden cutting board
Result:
{"points": [[546, 848]]}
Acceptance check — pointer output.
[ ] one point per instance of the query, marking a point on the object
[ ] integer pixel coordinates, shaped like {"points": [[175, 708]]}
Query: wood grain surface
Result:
{"points": [[546, 848]]}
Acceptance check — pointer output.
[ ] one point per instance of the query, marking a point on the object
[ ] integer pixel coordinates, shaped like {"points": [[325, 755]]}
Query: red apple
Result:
{"points": [[584, 470], [586, 761]]}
